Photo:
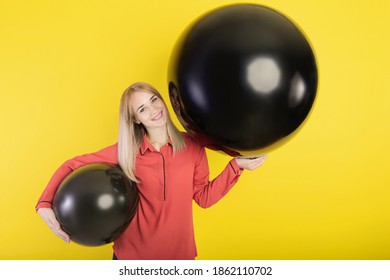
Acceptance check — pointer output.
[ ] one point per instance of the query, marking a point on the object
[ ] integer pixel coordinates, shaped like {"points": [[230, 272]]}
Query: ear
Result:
{"points": [[137, 121]]}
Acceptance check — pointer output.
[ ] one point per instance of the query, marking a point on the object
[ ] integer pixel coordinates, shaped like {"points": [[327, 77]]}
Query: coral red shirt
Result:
{"points": [[162, 228]]}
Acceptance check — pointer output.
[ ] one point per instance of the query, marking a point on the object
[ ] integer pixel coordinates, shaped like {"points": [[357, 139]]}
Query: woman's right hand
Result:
{"points": [[49, 217]]}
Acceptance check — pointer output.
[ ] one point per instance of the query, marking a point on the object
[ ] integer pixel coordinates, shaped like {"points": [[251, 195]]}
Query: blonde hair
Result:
{"points": [[131, 134]]}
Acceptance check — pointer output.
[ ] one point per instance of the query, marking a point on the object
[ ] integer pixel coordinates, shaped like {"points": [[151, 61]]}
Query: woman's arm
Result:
{"points": [[206, 192], [43, 207], [106, 155]]}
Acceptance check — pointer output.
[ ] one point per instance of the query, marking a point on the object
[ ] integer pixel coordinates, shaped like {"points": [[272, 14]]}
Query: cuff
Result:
{"points": [[43, 204], [237, 170]]}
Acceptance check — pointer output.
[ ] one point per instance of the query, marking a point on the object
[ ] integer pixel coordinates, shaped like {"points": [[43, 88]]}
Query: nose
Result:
{"points": [[152, 109]]}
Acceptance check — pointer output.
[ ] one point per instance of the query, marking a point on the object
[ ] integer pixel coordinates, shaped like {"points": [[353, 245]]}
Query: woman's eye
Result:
{"points": [[142, 110], [154, 99]]}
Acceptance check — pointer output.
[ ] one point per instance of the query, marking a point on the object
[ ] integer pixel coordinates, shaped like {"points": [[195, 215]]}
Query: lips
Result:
{"points": [[157, 116]]}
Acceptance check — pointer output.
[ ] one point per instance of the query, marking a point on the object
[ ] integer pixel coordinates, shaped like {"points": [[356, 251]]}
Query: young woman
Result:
{"points": [[170, 169]]}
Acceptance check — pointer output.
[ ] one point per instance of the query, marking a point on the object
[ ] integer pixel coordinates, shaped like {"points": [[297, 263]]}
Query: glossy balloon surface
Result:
{"points": [[242, 79], [95, 203]]}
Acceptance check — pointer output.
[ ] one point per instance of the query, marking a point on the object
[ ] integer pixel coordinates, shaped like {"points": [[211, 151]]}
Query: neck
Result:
{"points": [[158, 137]]}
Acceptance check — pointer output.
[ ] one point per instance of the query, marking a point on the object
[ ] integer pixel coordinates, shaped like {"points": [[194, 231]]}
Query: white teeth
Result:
{"points": [[157, 117]]}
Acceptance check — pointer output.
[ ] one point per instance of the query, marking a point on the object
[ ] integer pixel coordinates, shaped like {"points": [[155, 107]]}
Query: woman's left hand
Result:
{"points": [[250, 163]]}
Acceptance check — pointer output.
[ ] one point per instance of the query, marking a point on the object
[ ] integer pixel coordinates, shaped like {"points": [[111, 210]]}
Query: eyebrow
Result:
{"points": [[144, 104]]}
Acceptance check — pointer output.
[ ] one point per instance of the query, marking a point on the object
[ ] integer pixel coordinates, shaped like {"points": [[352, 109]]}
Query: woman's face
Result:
{"points": [[148, 109]]}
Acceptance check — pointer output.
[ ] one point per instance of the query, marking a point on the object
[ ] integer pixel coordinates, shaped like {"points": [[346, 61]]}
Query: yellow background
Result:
{"points": [[323, 195]]}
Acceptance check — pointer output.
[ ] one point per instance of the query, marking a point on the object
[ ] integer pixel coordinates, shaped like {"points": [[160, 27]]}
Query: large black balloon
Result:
{"points": [[95, 203], [242, 79]]}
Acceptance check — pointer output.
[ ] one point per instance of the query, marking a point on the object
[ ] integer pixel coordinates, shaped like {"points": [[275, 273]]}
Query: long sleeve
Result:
{"points": [[207, 193], [106, 155]]}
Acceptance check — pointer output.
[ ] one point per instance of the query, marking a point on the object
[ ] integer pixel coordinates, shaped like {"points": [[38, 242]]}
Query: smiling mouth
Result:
{"points": [[157, 117]]}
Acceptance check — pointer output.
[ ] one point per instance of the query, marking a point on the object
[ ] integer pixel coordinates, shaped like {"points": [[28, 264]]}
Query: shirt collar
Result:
{"points": [[145, 145]]}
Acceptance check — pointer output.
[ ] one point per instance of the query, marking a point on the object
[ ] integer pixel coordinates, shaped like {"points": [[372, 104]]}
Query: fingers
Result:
{"points": [[63, 235], [251, 163], [262, 159], [56, 228], [48, 216], [255, 163]]}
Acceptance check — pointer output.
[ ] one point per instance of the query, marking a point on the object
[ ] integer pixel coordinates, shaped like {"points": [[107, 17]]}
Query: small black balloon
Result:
{"points": [[242, 79], [95, 204]]}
